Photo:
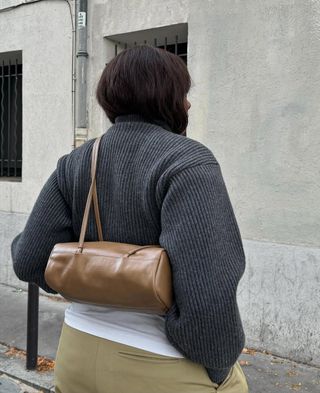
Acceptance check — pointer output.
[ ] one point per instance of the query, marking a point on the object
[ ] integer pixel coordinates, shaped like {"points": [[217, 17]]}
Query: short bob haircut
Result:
{"points": [[147, 81]]}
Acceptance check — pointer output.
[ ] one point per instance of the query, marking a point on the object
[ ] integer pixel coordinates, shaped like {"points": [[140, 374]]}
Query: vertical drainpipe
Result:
{"points": [[81, 72]]}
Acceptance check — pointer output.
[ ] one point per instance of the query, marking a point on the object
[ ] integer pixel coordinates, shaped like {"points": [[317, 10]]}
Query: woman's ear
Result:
{"points": [[187, 104]]}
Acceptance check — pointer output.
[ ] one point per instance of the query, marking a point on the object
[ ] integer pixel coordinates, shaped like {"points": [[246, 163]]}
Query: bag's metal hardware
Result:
{"points": [[79, 250]]}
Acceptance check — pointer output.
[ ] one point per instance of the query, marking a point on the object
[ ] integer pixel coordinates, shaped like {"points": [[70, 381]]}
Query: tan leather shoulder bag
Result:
{"points": [[129, 276]]}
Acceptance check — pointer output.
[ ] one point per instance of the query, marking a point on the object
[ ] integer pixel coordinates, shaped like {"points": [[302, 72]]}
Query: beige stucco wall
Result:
{"points": [[43, 32], [263, 113]]}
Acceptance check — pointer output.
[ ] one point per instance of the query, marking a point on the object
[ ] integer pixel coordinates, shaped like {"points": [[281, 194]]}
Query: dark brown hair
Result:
{"points": [[147, 81]]}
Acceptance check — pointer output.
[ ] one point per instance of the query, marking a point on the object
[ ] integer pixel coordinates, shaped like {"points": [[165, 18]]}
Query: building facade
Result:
{"points": [[255, 104]]}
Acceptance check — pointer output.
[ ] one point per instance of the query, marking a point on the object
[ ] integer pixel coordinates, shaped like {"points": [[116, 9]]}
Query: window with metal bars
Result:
{"points": [[172, 38], [178, 48], [11, 116]]}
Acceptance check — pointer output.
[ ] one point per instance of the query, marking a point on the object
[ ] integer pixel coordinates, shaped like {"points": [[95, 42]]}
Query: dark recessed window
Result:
{"points": [[178, 48], [11, 116], [173, 38]]}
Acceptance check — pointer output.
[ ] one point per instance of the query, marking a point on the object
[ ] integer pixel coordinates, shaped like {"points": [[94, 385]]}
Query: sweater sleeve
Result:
{"points": [[49, 223], [201, 236]]}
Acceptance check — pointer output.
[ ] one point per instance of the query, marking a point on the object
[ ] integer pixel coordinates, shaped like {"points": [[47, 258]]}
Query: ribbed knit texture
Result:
{"points": [[154, 187]]}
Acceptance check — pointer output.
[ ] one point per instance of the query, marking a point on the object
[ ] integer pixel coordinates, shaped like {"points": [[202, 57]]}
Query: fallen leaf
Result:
{"points": [[244, 363], [291, 373], [249, 351], [43, 363], [13, 351]]}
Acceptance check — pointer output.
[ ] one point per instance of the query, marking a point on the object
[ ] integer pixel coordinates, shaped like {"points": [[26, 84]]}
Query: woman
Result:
{"points": [[155, 186]]}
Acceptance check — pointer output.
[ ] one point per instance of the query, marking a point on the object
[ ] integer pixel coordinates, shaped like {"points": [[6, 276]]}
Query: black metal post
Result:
{"points": [[32, 326]]}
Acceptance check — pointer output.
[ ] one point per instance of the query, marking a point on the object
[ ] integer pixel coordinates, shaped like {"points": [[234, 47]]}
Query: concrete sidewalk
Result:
{"points": [[265, 373], [14, 378]]}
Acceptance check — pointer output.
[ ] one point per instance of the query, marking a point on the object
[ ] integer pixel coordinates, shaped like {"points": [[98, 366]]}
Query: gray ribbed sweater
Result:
{"points": [[154, 187]]}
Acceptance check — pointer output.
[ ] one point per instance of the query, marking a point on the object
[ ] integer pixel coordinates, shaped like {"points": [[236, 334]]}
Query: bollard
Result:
{"points": [[32, 326]]}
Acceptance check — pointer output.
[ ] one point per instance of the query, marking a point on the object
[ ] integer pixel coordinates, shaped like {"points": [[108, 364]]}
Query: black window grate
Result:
{"points": [[178, 48], [10, 119]]}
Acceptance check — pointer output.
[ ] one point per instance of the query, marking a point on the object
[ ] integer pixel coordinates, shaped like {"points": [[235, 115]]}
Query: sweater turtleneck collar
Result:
{"points": [[137, 117]]}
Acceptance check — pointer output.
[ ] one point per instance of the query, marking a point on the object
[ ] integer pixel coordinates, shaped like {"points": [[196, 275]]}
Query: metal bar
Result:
{"points": [[15, 118], [155, 42], [2, 118], [165, 43], [32, 326], [9, 115], [115, 49], [176, 46]]}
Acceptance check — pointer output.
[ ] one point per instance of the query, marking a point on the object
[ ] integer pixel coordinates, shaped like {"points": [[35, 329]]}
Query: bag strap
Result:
{"points": [[92, 195], [95, 195]]}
